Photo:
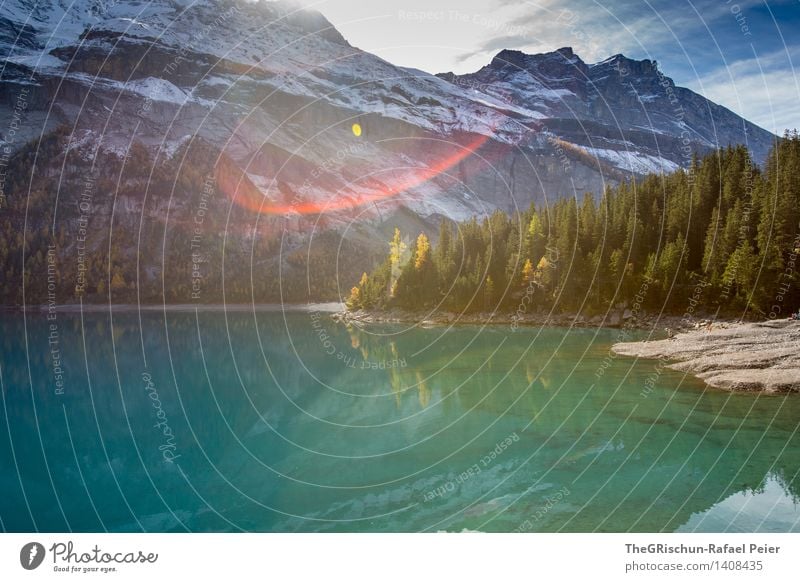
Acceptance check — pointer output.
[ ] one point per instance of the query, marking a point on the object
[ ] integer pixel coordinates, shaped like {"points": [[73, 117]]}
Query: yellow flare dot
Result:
{"points": [[357, 130]]}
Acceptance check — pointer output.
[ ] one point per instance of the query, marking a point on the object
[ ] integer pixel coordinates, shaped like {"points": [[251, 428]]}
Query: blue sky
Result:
{"points": [[743, 54]]}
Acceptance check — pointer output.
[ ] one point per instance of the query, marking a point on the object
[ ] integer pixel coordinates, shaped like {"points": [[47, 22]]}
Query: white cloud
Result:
{"points": [[764, 89]]}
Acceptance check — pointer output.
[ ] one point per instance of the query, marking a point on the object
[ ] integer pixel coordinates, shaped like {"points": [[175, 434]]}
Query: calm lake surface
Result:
{"points": [[276, 421]]}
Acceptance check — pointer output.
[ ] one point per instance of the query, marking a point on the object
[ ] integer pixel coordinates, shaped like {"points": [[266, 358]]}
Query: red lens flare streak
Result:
{"points": [[237, 186]]}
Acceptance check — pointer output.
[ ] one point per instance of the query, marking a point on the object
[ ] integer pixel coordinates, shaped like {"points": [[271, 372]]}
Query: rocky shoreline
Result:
{"points": [[729, 355], [325, 307], [742, 357], [623, 318]]}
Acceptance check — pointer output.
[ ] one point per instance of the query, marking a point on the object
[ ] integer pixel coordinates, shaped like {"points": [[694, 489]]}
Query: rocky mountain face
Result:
{"points": [[621, 111], [222, 150]]}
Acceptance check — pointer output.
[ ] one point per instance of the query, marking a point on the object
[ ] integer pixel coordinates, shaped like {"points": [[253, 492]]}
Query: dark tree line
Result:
{"points": [[722, 235], [138, 237]]}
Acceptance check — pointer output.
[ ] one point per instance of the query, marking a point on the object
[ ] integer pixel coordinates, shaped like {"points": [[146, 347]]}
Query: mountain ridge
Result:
{"points": [[624, 93], [267, 94]]}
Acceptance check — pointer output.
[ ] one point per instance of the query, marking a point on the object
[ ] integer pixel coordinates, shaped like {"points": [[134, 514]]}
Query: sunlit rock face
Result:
{"points": [[262, 97], [624, 111]]}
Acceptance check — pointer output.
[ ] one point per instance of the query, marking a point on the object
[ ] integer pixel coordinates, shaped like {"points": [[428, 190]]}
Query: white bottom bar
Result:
{"points": [[401, 557]]}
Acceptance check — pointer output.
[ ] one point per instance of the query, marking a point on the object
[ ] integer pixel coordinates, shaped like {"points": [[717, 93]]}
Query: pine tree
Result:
{"points": [[537, 241], [423, 253], [354, 301], [397, 257], [718, 221], [488, 295], [528, 272]]}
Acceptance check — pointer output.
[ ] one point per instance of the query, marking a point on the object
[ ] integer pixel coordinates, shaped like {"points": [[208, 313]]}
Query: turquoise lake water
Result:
{"points": [[287, 422]]}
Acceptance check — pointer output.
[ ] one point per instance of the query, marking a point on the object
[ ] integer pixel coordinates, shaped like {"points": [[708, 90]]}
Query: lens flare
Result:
{"points": [[236, 185], [357, 129]]}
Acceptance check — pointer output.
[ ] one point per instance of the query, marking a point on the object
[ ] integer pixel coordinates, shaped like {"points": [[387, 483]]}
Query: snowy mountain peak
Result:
{"points": [[271, 100], [616, 105], [510, 60], [562, 60], [48, 25], [277, 88], [627, 66]]}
